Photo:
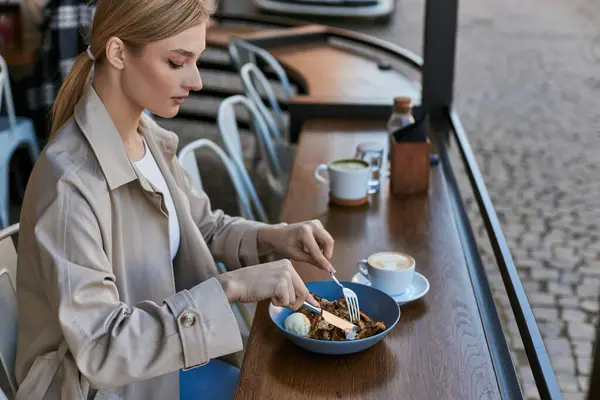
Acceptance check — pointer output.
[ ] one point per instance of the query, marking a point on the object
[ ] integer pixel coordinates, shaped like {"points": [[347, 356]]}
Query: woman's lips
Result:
{"points": [[179, 100]]}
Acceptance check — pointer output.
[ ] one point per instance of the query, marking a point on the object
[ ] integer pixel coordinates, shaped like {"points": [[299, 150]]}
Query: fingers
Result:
{"points": [[282, 294], [291, 291], [310, 244], [304, 256], [301, 291], [286, 287], [293, 298], [323, 237], [313, 301], [301, 255]]}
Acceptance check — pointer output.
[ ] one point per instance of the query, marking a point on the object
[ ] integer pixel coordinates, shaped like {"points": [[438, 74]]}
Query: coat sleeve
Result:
{"points": [[113, 343]]}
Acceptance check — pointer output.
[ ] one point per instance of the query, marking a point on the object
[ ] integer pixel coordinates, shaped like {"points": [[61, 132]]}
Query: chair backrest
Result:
{"points": [[8, 306], [188, 161], [6, 94], [240, 53], [243, 52], [255, 83], [247, 198], [230, 134]]}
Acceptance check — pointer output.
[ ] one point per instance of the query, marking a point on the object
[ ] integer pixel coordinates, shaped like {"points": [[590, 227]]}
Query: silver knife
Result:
{"points": [[332, 319]]}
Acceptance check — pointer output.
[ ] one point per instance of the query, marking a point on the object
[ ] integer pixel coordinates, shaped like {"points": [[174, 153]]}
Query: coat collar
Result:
{"points": [[104, 139]]}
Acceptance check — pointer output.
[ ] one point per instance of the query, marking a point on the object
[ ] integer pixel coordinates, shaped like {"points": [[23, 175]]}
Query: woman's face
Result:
{"points": [[161, 77]]}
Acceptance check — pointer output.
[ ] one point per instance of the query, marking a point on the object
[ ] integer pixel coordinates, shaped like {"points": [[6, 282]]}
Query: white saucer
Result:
{"points": [[417, 289]]}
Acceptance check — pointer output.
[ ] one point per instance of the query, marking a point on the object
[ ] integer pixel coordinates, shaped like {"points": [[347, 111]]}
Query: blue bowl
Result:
{"points": [[376, 304]]}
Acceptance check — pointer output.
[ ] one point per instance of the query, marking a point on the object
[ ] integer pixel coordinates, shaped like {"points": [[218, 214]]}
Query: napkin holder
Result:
{"points": [[410, 150]]}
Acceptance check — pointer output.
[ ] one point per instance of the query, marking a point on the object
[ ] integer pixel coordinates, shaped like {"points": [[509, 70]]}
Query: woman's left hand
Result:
{"points": [[304, 241]]}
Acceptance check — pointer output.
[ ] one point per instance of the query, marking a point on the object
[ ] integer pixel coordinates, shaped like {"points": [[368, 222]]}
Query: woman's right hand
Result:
{"points": [[276, 280]]}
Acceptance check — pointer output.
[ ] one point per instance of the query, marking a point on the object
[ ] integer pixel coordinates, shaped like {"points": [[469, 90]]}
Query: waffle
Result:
{"points": [[321, 330]]}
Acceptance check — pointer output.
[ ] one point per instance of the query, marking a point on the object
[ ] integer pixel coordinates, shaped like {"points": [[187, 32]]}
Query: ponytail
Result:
{"points": [[71, 91]]}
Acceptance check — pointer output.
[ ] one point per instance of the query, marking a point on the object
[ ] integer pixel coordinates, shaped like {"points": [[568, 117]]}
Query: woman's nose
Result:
{"points": [[195, 82]]}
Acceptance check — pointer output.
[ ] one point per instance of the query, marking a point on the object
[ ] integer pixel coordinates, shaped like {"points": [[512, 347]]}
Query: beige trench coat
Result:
{"points": [[103, 310]]}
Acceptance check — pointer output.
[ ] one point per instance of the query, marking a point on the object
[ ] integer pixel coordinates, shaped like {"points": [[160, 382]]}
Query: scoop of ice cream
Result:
{"points": [[298, 324]]}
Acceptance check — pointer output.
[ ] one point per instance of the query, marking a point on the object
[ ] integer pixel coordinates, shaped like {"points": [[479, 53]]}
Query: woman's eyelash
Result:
{"points": [[175, 65]]}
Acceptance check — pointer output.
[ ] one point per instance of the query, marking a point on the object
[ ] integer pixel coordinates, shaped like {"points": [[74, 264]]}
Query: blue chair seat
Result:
{"points": [[216, 380]]}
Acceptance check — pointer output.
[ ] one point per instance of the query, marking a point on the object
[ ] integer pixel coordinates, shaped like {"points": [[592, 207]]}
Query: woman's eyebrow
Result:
{"points": [[183, 52], [186, 53]]}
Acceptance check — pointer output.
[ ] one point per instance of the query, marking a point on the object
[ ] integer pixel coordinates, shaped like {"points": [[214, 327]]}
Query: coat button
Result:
{"points": [[187, 319]]}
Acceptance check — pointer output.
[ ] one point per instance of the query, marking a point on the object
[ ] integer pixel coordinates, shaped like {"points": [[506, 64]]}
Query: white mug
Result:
{"points": [[348, 181], [390, 271]]}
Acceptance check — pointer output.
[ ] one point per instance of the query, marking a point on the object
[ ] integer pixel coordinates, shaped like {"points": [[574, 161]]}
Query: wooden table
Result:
{"points": [[437, 351]]}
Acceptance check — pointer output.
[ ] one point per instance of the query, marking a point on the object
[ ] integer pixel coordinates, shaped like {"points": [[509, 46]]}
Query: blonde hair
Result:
{"points": [[135, 22]]}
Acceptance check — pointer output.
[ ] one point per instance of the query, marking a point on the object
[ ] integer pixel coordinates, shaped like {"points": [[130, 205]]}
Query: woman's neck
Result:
{"points": [[124, 113]]}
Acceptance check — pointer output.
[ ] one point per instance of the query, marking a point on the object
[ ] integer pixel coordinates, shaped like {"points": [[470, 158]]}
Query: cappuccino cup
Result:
{"points": [[390, 271], [348, 181]]}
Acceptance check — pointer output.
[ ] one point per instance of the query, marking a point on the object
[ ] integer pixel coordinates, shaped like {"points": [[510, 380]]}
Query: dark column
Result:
{"points": [[439, 48]]}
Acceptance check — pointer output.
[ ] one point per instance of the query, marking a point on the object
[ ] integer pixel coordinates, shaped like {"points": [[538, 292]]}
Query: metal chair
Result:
{"points": [[248, 200], [14, 133], [228, 128], [243, 52], [256, 82], [8, 309]]}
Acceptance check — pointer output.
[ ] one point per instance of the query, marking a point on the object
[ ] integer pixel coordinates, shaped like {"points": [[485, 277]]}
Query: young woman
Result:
{"points": [[117, 287]]}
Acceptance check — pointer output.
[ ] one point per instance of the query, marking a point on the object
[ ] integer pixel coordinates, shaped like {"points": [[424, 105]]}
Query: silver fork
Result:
{"points": [[351, 300]]}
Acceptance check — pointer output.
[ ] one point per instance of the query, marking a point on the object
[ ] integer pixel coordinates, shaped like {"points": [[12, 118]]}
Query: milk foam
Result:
{"points": [[391, 261], [348, 166]]}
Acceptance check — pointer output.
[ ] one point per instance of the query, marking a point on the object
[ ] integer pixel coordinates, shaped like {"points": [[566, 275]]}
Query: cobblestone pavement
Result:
{"points": [[528, 92]]}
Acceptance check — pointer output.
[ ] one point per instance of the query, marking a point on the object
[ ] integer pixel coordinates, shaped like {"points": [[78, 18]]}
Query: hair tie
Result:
{"points": [[90, 54]]}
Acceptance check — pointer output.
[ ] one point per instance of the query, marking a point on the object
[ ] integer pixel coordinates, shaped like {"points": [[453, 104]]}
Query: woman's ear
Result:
{"points": [[115, 52]]}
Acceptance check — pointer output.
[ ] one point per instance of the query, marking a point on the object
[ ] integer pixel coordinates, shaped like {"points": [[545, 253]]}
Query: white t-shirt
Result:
{"points": [[148, 167]]}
